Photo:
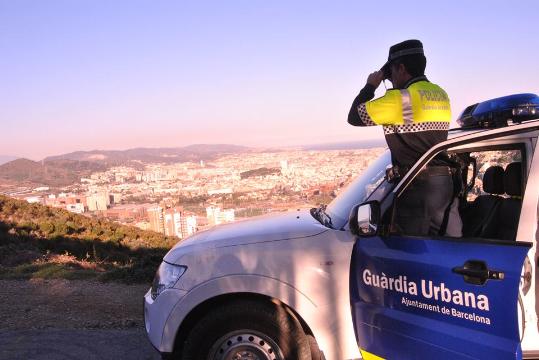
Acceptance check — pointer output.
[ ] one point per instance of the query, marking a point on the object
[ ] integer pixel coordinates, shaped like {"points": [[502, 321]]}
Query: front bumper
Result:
{"points": [[156, 314]]}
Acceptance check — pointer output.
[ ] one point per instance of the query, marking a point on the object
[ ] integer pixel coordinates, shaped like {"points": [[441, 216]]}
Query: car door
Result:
{"points": [[434, 297], [421, 298]]}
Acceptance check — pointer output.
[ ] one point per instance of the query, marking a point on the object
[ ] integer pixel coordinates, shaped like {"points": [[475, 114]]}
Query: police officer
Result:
{"points": [[415, 116]]}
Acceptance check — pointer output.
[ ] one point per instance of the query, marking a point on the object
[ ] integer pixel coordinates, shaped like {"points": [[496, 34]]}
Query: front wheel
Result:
{"points": [[247, 330]]}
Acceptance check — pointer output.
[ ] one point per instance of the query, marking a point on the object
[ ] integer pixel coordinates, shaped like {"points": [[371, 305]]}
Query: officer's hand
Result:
{"points": [[375, 78]]}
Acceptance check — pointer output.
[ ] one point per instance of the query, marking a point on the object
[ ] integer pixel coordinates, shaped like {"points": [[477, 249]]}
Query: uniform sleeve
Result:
{"points": [[386, 110], [358, 115]]}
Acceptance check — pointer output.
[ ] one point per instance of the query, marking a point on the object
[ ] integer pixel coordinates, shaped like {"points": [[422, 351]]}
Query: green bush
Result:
{"points": [[46, 227]]}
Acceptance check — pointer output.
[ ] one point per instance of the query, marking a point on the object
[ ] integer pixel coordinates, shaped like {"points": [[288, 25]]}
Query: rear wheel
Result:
{"points": [[247, 330]]}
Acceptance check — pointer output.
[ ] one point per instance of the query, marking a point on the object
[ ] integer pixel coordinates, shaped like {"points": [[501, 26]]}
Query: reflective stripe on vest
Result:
{"points": [[420, 102]]}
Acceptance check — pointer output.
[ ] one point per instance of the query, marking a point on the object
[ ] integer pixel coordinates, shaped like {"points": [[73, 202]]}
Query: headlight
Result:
{"points": [[166, 277]]}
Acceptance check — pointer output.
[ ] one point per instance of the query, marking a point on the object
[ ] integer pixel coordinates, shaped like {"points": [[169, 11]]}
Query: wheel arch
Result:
{"points": [[224, 290], [198, 312]]}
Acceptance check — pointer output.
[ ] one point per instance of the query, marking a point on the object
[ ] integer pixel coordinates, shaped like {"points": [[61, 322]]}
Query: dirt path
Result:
{"points": [[61, 319], [79, 344]]}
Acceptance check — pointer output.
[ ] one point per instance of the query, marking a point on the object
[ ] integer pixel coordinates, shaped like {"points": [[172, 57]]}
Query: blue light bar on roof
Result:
{"points": [[501, 111]]}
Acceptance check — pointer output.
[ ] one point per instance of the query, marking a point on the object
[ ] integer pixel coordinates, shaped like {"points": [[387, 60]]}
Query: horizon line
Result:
{"points": [[326, 144]]}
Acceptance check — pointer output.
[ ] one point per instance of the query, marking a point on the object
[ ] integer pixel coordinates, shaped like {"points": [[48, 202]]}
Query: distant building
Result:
{"points": [[157, 219], [42, 188], [34, 199], [75, 208], [191, 226], [71, 202], [170, 226], [179, 224], [211, 213], [115, 198], [126, 213], [218, 216], [98, 201]]}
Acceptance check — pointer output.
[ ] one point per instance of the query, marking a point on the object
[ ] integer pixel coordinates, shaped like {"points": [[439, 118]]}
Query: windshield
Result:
{"points": [[359, 190]]}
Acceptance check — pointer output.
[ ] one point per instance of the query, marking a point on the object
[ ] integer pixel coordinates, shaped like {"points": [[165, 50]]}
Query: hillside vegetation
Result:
{"points": [[43, 242], [260, 172], [52, 173]]}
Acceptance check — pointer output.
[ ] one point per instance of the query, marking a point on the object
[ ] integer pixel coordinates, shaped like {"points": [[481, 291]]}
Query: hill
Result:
{"points": [[52, 173], [41, 242], [153, 155]]}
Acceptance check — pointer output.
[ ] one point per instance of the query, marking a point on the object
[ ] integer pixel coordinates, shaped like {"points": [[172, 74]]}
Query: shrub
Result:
{"points": [[46, 228], [37, 236]]}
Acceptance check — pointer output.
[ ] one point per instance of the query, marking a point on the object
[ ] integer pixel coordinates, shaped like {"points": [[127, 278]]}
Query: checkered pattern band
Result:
{"points": [[412, 128], [364, 115], [398, 54]]}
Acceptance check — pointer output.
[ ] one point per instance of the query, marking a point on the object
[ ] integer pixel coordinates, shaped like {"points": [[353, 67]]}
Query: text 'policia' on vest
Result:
{"points": [[415, 114]]}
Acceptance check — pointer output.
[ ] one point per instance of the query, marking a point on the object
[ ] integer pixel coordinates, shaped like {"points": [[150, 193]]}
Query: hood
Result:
{"points": [[273, 227]]}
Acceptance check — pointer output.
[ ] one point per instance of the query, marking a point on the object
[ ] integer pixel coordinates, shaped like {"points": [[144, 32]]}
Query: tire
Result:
{"points": [[247, 329]]}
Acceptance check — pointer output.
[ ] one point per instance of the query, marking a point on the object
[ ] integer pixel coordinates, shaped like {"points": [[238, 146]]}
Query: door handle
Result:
{"points": [[476, 272]]}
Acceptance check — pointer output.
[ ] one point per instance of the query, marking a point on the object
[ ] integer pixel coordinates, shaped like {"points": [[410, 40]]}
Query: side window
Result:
{"points": [[491, 203], [476, 193], [485, 160]]}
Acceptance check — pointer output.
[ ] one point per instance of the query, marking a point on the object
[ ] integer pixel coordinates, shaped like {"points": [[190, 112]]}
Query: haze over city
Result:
{"points": [[115, 75]]}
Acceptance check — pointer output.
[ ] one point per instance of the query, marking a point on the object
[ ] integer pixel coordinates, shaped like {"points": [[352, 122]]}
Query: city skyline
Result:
{"points": [[101, 75], [180, 198]]}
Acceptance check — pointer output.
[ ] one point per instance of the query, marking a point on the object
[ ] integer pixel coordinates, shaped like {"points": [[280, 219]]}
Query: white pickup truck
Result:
{"points": [[336, 283]]}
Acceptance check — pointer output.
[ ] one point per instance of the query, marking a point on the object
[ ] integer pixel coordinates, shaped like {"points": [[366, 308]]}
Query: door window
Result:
{"points": [[490, 207], [478, 196], [485, 160]]}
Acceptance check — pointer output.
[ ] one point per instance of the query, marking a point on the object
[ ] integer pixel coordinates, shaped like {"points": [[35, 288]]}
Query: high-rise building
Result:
{"points": [[169, 224], [211, 213], [157, 219], [98, 201], [190, 226], [175, 222], [178, 223], [173, 218]]}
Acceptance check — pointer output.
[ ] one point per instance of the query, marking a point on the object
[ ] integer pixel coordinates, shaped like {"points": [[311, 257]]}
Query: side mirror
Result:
{"points": [[364, 219]]}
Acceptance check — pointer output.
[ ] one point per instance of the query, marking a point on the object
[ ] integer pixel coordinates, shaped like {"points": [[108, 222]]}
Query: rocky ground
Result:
{"points": [[62, 319]]}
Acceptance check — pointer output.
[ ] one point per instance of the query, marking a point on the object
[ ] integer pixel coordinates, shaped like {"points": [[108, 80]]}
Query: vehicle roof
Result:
{"points": [[456, 133]]}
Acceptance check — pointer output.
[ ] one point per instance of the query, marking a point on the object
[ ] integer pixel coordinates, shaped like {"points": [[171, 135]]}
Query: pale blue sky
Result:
{"points": [[83, 75]]}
